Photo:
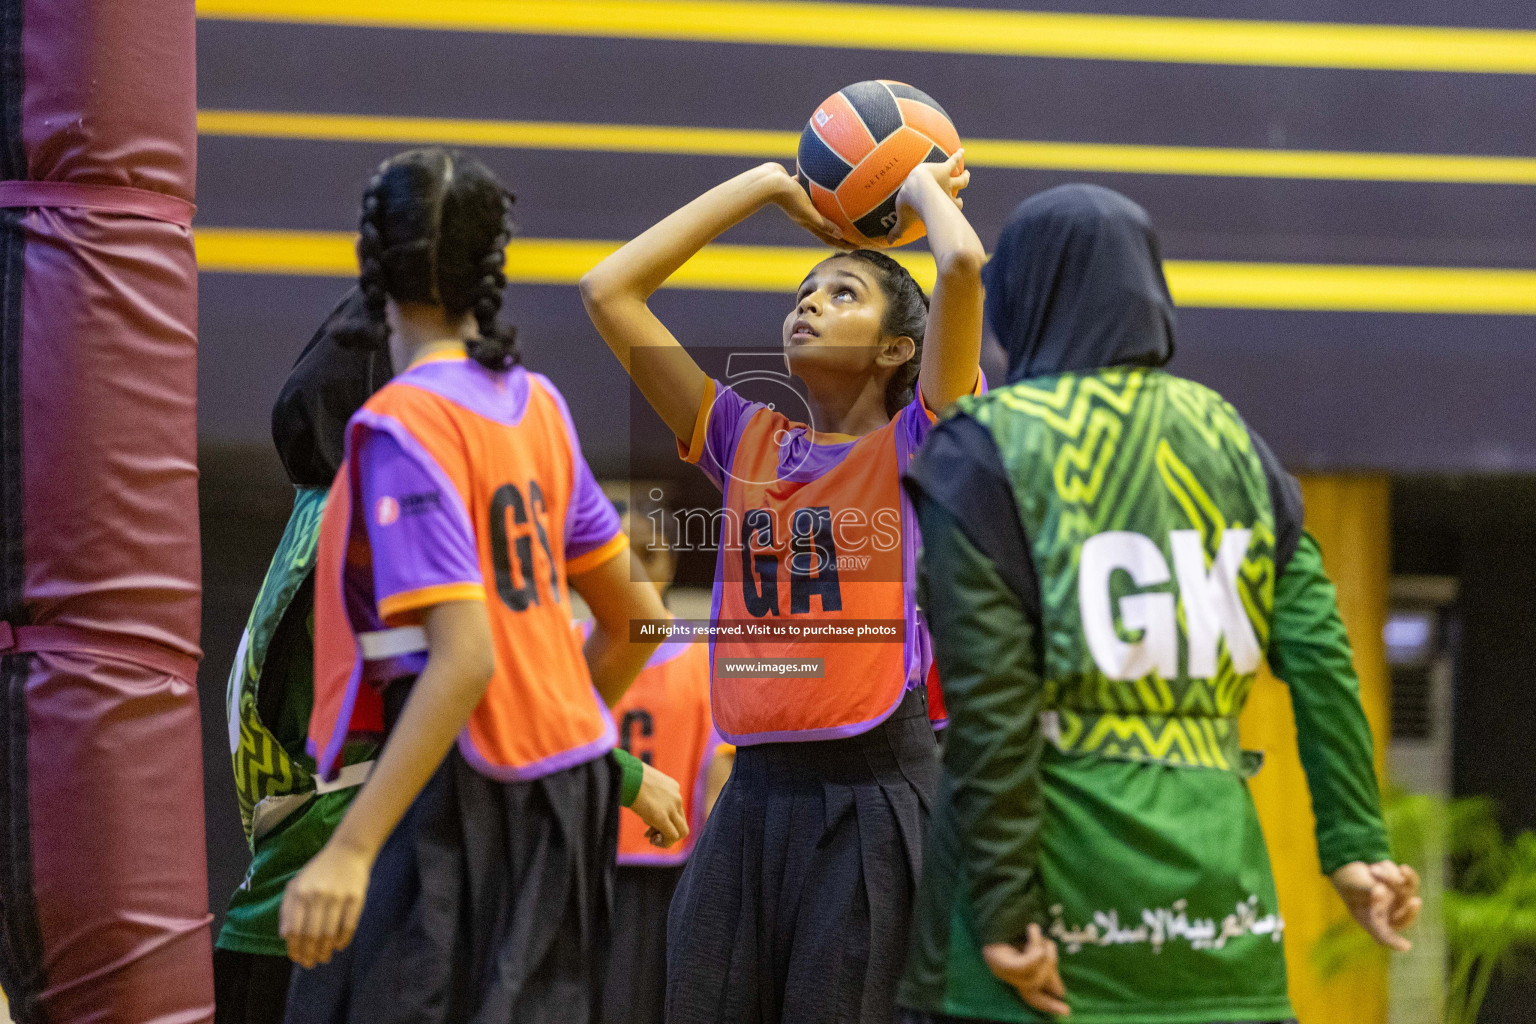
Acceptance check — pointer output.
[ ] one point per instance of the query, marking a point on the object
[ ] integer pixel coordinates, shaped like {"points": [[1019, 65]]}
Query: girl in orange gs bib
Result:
{"points": [[471, 878], [795, 903]]}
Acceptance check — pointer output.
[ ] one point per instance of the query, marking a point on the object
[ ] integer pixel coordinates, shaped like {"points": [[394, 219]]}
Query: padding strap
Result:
{"points": [[76, 640], [137, 202]]}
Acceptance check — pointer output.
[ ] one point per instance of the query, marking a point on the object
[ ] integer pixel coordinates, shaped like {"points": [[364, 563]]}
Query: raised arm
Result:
{"points": [[616, 291], [952, 345]]}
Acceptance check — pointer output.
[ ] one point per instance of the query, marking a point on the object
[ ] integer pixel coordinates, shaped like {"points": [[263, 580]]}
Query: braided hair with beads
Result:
{"points": [[434, 230]]}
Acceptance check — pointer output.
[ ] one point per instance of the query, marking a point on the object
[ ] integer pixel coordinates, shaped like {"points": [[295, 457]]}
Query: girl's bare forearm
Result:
{"points": [[953, 242], [441, 700], [614, 662], [952, 345]]}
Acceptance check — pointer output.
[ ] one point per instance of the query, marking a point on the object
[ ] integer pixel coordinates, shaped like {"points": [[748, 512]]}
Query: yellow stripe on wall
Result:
{"points": [[934, 29], [781, 145], [1296, 286]]}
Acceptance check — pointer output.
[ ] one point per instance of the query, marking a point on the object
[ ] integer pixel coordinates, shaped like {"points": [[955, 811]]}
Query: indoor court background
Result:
{"points": [[1347, 210]]}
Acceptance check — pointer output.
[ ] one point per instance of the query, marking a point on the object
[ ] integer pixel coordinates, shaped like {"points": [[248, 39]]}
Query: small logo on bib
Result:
{"points": [[387, 511]]}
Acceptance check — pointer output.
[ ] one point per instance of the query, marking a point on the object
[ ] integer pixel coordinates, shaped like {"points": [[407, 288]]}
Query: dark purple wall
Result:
{"points": [[1383, 391]]}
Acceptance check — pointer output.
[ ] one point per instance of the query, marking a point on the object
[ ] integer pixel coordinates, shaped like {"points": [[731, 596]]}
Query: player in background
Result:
{"points": [[664, 720], [471, 877], [1108, 554], [796, 901], [271, 687]]}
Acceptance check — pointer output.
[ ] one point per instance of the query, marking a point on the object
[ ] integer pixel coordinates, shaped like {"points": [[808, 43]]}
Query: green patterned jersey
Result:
{"points": [[1152, 534], [268, 701], [1093, 779]]}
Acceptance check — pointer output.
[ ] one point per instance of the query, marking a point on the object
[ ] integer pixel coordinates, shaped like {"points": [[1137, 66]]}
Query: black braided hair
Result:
{"points": [[906, 315], [434, 229]]}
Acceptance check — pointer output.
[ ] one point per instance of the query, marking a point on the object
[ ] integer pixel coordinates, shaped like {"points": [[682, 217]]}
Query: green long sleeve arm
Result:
{"points": [[1310, 652], [985, 645]]}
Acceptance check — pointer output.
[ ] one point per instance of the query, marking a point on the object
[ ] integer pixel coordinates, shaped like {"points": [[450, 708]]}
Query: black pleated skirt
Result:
{"points": [[636, 988], [489, 903], [795, 905]]}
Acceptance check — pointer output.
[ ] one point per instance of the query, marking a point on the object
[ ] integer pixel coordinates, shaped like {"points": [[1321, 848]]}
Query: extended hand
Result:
{"points": [[1030, 971], [1383, 897], [660, 805], [322, 904], [950, 177], [790, 197]]}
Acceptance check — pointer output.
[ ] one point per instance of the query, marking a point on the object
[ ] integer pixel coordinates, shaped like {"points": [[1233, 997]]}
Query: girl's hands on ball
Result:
{"points": [[926, 180], [790, 197]]}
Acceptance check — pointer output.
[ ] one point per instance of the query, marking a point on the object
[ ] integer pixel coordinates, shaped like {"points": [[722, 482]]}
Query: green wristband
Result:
{"points": [[634, 773]]}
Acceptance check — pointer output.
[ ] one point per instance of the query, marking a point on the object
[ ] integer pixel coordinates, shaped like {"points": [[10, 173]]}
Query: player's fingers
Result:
{"points": [[1410, 880], [1388, 872], [327, 926], [1008, 962], [831, 239], [1406, 912], [1378, 920], [830, 230], [349, 918], [300, 938], [1045, 1002]]}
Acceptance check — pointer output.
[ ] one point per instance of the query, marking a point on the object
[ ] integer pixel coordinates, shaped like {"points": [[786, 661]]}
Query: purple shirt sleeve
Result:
{"points": [[422, 542], [725, 418], [590, 518], [915, 423]]}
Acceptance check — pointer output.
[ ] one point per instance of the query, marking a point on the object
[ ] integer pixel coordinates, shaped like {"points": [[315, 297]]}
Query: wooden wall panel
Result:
{"points": [[1350, 517]]}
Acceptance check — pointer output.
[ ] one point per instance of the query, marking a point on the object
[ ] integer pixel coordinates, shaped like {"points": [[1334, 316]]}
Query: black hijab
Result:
{"points": [[1077, 283], [328, 384]]}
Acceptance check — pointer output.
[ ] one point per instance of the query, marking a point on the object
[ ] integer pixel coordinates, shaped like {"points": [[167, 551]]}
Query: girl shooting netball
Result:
{"points": [[796, 901]]}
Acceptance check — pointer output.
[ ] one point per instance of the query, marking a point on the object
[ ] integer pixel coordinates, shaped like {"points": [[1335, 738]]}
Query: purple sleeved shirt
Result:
{"points": [[422, 542]]}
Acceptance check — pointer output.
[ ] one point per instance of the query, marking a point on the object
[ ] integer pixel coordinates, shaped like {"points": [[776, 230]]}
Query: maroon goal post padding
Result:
{"points": [[103, 872]]}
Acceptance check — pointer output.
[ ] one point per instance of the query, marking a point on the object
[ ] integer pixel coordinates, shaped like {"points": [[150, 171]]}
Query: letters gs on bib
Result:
{"points": [[1212, 606], [509, 499]]}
